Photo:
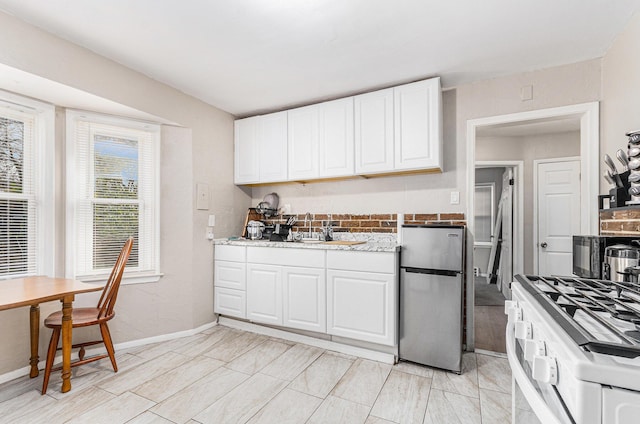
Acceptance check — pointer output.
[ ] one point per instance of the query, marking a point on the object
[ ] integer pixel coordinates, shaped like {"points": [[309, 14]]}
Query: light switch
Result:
{"points": [[212, 221], [202, 196], [455, 197], [526, 93]]}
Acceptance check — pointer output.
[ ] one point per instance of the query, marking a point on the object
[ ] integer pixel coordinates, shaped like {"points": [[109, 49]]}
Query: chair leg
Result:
{"points": [[106, 338], [51, 354]]}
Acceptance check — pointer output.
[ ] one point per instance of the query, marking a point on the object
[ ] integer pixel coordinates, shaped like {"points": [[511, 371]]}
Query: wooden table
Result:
{"points": [[32, 291]]}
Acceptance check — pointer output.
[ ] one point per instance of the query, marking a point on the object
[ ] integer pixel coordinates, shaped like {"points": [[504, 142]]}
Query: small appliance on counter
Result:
{"points": [[589, 253], [255, 229], [619, 259], [431, 292], [280, 232]]}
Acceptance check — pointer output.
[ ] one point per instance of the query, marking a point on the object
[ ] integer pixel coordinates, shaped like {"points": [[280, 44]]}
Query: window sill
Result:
{"points": [[133, 278]]}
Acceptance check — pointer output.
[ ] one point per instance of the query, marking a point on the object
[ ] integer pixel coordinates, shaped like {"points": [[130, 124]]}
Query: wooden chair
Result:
{"points": [[85, 317]]}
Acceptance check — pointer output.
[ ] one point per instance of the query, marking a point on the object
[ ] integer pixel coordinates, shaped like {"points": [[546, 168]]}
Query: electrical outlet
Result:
{"points": [[210, 235], [455, 197]]}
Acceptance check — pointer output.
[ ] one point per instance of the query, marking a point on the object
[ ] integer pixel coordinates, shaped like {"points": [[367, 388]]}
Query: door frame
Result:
{"points": [[536, 162], [589, 115]]}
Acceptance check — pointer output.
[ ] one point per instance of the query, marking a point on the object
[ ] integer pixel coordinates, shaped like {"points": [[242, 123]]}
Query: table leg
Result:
{"points": [[66, 342], [34, 322]]}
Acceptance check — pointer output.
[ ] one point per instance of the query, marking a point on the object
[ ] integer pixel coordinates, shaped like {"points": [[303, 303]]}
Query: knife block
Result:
{"points": [[618, 197]]}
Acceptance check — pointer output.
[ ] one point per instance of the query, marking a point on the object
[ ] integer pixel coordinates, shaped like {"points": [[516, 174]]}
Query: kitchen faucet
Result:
{"points": [[308, 217]]}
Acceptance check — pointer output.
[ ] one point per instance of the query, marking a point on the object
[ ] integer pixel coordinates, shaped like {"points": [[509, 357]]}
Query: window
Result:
{"points": [[484, 213], [112, 185], [26, 187]]}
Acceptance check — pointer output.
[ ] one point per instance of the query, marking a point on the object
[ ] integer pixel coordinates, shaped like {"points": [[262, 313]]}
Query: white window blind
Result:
{"points": [[114, 178], [18, 205]]}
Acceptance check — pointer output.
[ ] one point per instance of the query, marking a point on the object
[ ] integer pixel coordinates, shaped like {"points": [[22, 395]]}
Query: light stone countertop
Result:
{"points": [[371, 245]]}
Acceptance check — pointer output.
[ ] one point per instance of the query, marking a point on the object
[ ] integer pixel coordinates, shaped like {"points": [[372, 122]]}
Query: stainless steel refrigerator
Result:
{"points": [[431, 292]]}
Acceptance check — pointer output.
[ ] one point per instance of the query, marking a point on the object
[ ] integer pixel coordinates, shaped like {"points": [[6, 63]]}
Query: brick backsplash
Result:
{"points": [[620, 222], [369, 223]]}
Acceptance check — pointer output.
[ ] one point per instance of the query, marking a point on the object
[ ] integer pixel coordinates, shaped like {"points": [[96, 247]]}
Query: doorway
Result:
{"points": [[495, 139], [497, 209]]}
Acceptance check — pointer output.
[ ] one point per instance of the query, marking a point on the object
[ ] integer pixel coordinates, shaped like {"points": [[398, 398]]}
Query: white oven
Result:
{"points": [[557, 380]]}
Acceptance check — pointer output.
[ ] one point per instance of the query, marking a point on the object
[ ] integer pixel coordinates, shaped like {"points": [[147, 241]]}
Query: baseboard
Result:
{"points": [[490, 353], [12, 375], [311, 341]]}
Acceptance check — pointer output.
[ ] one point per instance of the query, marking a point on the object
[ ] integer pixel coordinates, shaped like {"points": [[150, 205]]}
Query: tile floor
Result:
{"points": [[224, 375]]}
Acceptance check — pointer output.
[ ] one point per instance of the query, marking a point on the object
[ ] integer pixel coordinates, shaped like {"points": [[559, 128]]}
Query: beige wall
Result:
{"points": [[528, 149], [619, 111], [201, 152]]}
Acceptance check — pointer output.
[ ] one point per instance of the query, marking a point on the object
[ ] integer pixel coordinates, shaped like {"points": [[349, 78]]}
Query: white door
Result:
{"points": [[505, 276], [374, 132], [264, 293], [336, 138], [559, 215], [305, 298]]}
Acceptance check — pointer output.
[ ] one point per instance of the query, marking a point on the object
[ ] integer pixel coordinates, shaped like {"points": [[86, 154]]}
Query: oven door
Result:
{"points": [[532, 402]]}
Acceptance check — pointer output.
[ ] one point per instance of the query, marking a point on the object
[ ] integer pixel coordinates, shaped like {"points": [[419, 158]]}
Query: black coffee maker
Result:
{"points": [[280, 232]]}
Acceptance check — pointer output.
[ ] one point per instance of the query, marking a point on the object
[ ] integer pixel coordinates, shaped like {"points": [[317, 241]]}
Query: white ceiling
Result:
{"points": [[254, 56], [530, 128]]}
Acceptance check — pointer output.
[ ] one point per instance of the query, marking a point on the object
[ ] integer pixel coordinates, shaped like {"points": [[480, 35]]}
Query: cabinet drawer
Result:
{"points": [[230, 302], [362, 261], [230, 253], [231, 275], [283, 256]]}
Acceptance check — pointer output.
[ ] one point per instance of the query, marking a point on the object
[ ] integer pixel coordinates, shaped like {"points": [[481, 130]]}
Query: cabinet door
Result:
{"points": [[264, 293], [230, 274], [336, 139], [374, 132], [272, 140], [229, 302], [245, 152], [303, 142], [418, 125], [304, 298], [362, 306]]}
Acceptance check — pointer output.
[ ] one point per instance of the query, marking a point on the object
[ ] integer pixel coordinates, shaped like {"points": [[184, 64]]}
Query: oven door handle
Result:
{"points": [[538, 405]]}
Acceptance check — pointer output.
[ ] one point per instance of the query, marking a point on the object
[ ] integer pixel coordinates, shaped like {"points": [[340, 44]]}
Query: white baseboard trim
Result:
{"points": [[12, 375], [386, 358]]}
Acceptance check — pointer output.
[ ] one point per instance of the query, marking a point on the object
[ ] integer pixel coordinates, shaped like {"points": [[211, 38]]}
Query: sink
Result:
{"points": [[311, 240]]}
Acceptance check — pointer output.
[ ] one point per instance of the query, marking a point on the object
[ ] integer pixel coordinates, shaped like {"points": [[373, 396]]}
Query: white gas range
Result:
{"points": [[574, 349]]}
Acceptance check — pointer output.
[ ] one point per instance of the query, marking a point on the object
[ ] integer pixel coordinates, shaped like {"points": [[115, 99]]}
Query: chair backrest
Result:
{"points": [[110, 292]]}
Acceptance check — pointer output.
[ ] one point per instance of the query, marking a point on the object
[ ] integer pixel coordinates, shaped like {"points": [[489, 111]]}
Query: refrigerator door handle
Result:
{"points": [[431, 271]]}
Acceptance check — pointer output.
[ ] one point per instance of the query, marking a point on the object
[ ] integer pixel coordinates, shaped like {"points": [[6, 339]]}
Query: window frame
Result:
{"points": [[149, 274], [44, 181]]}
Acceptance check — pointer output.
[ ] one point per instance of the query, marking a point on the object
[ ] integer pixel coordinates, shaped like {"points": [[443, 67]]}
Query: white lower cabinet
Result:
{"points": [[230, 302], [264, 293], [305, 298], [361, 305], [343, 293]]}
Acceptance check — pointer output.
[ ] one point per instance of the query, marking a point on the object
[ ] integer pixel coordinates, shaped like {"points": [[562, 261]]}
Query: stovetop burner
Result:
{"points": [[601, 316]]}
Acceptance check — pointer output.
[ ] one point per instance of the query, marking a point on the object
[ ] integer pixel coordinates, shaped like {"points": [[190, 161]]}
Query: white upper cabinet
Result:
{"points": [[261, 149], [303, 143], [336, 138], [397, 129], [374, 132], [418, 125], [272, 139], [246, 163]]}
